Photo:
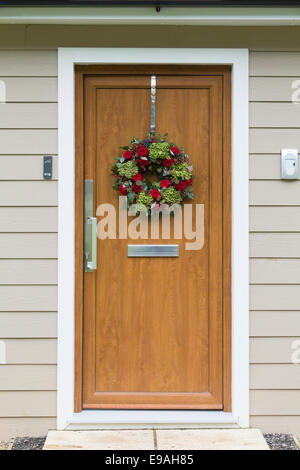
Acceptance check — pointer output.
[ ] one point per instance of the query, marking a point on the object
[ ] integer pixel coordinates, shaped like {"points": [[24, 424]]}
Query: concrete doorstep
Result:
{"points": [[160, 439]]}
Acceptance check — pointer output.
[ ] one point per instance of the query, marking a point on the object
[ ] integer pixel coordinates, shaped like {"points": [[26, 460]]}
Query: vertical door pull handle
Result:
{"points": [[91, 262], [90, 229]]}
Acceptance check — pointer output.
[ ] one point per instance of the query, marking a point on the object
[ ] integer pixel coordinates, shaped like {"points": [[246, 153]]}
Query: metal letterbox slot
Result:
{"points": [[153, 251]]}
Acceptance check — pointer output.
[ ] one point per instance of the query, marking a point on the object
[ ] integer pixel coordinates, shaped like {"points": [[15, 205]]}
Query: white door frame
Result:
{"points": [[67, 419]]}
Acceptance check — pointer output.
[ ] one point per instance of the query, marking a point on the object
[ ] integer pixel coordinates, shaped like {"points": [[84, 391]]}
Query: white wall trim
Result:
{"points": [[147, 15], [67, 58]]}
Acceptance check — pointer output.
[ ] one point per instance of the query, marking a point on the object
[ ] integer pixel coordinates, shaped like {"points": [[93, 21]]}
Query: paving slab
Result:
{"points": [[210, 439], [100, 440]]}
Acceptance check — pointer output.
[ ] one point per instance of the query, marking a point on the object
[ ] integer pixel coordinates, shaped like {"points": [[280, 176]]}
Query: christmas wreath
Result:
{"points": [[153, 173]]}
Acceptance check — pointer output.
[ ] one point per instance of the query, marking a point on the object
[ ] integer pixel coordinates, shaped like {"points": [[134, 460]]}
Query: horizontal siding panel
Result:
{"points": [[274, 193], [28, 193], [28, 115], [28, 403], [28, 219], [30, 63], [28, 298], [274, 323], [24, 167], [273, 140], [28, 245], [274, 115], [274, 376], [274, 297], [273, 88], [275, 219], [30, 351], [274, 271], [22, 89], [278, 424], [28, 377], [38, 271], [273, 350], [275, 402], [12, 427], [263, 167], [19, 142], [276, 64], [273, 245], [28, 325]]}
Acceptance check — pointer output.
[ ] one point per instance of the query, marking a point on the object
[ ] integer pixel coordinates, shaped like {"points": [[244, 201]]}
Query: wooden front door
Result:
{"points": [[155, 332]]}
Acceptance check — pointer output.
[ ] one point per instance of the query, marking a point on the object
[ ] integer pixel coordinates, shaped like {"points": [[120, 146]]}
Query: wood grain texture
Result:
{"points": [[125, 366], [227, 241], [79, 238]]}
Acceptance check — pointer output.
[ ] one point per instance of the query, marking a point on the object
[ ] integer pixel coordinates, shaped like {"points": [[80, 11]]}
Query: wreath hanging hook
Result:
{"points": [[153, 103]]}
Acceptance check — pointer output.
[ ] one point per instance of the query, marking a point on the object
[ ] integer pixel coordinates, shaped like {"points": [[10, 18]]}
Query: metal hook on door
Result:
{"points": [[153, 102]]}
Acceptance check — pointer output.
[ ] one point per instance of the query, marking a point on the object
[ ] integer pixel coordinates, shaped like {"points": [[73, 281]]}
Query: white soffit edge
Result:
{"points": [[148, 15]]}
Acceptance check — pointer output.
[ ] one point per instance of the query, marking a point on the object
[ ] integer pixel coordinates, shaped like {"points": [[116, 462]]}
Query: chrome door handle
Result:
{"points": [[91, 260], [90, 229]]}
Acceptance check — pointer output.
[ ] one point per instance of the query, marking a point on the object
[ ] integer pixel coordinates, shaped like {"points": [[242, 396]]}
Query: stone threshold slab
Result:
{"points": [[157, 439]]}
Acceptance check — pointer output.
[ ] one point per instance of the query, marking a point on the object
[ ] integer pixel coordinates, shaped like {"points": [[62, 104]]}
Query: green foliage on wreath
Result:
{"points": [[159, 150]]}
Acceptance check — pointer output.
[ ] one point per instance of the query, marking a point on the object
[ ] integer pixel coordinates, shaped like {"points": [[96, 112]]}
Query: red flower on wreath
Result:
{"points": [[165, 183], [188, 182], [155, 193], [175, 150], [127, 155], [137, 177], [136, 188], [142, 151], [143, 162], [181, 185], [123, 190], [168, 162]]}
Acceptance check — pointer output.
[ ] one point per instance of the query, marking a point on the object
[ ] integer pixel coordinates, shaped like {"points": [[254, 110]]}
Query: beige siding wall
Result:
{"points": [[28, 243], [28, 214], [274, 244]]}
